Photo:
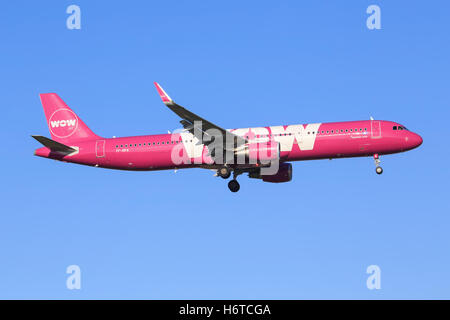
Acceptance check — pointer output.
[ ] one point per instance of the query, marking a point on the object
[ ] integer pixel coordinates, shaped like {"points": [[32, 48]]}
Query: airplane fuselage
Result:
{"points": [[263, 152], [297, 142]]}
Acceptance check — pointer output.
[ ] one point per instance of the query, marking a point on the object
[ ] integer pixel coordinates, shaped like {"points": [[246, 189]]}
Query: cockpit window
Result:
{"points": [[399, 128], [394, 128]]}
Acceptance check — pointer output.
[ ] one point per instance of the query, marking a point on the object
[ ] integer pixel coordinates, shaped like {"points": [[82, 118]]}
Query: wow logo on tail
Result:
{"points": [[63, 123]]}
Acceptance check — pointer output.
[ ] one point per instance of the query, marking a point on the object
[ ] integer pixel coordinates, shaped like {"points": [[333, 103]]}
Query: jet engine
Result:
{"points": [[284, 174]]}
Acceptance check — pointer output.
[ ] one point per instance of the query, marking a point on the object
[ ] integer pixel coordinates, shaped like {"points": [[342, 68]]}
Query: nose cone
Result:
{"points": [[413, 140]]}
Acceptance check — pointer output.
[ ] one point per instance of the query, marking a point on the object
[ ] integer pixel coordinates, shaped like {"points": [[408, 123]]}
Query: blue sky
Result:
{"points": [[164, 235]]}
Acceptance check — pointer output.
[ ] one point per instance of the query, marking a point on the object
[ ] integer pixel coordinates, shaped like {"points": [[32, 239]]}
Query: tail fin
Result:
{"points": [[63, 123]]}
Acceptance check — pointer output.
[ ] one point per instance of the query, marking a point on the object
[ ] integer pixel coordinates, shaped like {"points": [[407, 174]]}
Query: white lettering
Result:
{"points": [[63, 123]]}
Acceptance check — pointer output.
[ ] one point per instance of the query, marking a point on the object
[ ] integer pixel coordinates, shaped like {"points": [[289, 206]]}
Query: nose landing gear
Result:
{"points": [[378, 169]]}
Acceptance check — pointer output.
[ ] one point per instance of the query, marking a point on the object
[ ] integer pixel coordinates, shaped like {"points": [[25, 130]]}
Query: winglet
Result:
{"points": [[164, 96]]}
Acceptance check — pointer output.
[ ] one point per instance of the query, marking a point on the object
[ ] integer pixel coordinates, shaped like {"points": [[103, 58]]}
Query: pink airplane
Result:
{"points": [[262, 152]]}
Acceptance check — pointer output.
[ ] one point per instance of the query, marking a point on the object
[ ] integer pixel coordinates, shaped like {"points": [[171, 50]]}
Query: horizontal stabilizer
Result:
{"points": [[53, 145]]}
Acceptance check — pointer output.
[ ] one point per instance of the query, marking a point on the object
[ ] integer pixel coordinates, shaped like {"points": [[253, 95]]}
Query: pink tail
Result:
{"points": [[63, 123]]}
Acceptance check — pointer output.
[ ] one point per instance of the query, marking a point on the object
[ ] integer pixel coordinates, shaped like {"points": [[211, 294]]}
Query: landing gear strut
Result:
{"points": [[378, 169]]}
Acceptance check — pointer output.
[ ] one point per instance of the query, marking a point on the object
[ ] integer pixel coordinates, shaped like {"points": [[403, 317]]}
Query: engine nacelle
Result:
{"points": [[263, 152], [284, 174]]}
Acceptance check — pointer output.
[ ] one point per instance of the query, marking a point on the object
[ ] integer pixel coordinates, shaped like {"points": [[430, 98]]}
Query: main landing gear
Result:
{"points": [[378, 169], [225, 172], [233, 185]]}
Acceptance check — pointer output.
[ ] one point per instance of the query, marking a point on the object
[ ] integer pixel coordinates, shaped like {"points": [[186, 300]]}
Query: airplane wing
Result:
{"points": [[196, 124]]}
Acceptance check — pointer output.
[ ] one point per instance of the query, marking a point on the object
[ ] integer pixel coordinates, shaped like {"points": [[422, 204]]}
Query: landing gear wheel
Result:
{"points": [[378, 169], [233, 185], [224, 172]]}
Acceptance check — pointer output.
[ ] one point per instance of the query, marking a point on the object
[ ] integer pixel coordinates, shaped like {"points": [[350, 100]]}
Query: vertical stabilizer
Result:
{"points": [[63, 123]]}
